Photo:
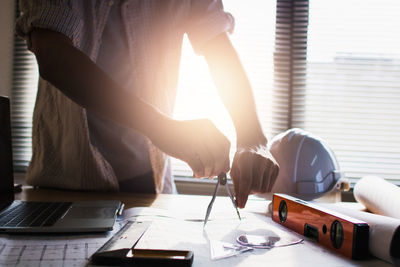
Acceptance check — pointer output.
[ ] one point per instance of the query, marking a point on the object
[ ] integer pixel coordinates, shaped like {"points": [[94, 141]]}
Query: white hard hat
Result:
{"points": [[308, 167]]}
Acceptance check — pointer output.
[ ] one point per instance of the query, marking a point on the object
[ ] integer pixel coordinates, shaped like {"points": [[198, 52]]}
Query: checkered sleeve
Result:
{"points": [[207, 19], [56, 15]]}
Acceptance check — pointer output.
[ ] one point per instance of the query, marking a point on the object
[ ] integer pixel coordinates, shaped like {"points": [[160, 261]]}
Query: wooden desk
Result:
{"points": [[307, 254]]}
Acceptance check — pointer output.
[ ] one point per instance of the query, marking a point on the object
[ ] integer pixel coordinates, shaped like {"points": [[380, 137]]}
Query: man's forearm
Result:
{"points": [[79, 78], [75, 75], [234, 89]]}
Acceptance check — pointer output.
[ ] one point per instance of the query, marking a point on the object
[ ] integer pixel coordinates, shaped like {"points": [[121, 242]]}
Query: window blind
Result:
{"points": [[290, 64], [23, 95], [336, 66], [352, 91]]}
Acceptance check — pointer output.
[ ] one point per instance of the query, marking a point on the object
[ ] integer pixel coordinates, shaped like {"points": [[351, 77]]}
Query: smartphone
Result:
{"points": [[161, 257], [144, 257]]}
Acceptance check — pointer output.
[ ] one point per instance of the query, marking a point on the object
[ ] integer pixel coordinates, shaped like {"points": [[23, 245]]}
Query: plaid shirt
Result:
{"points": [[63, 156]]}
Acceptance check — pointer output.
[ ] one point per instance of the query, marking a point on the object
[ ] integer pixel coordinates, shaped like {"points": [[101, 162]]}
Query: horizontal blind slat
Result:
{"points": [[352, 91]]}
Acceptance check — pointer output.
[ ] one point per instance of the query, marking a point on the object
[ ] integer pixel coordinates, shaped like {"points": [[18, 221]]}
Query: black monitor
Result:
{"points": [[6, 158]]}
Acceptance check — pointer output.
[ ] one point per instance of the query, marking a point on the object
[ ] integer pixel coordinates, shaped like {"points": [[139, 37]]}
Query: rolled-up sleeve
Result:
{"points": [[207, 19], [56, 15]]}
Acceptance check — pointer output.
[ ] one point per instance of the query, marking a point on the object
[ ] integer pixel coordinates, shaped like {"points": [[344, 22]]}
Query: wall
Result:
{"points": [[6, 45]]}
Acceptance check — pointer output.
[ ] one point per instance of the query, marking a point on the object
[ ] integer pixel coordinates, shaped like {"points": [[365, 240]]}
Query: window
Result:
{"points": [[329, 67], [23, 95], [352, 93], [337, 70]]}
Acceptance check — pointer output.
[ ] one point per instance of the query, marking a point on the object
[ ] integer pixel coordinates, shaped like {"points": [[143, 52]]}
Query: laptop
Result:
{"points": [[45, 217]]}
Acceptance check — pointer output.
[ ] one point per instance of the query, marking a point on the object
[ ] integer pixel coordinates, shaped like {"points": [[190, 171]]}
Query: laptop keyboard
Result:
{"points": [[31, 214]]}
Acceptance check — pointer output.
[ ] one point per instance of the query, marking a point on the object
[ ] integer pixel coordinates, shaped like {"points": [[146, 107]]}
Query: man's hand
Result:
{"points": [[254, 170], [197, 142]]}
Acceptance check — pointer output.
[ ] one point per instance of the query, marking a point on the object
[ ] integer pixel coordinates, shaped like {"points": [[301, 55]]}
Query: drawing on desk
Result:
{"points": [[50, 250], [74, 254]]}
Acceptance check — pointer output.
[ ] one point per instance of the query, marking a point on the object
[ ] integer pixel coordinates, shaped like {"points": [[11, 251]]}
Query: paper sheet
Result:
{"points": [[169, 233], [378, 195], [74, 250], [384, 232], [185, 235], [51, 250]]}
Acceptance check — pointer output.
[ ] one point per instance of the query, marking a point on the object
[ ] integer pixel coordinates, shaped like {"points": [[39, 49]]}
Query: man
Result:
{"points": [[108, 83]]}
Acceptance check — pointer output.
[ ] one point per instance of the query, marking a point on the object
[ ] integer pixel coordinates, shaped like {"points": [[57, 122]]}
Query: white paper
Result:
{"points": [[166, 233], [381, 230], [51, 250], [207, 243], [378, 195]]}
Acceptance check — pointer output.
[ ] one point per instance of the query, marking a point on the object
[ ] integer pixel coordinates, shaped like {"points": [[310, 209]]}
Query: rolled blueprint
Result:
{"points": [[384, 232], [378, 196]]}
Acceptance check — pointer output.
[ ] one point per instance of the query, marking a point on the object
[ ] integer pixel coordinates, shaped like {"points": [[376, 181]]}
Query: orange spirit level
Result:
{"points": [[341, 233]]}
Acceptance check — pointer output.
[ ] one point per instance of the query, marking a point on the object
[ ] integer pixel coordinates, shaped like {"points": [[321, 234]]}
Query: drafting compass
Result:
{"points": [[222, 180]]}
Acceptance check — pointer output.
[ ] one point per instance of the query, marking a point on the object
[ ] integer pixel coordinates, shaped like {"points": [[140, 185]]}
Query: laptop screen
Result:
{"points": [[6, 166]]}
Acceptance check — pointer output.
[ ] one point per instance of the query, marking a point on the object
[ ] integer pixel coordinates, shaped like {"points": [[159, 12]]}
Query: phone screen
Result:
{"points": [[158, 253]]}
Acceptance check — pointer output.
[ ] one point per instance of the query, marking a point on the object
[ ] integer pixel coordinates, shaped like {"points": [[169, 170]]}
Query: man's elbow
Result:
{"points": [[44, 64], [47, 47]]}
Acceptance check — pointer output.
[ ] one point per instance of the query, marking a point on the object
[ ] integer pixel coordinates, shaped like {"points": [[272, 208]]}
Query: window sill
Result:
{"points": [[191, 186]]}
